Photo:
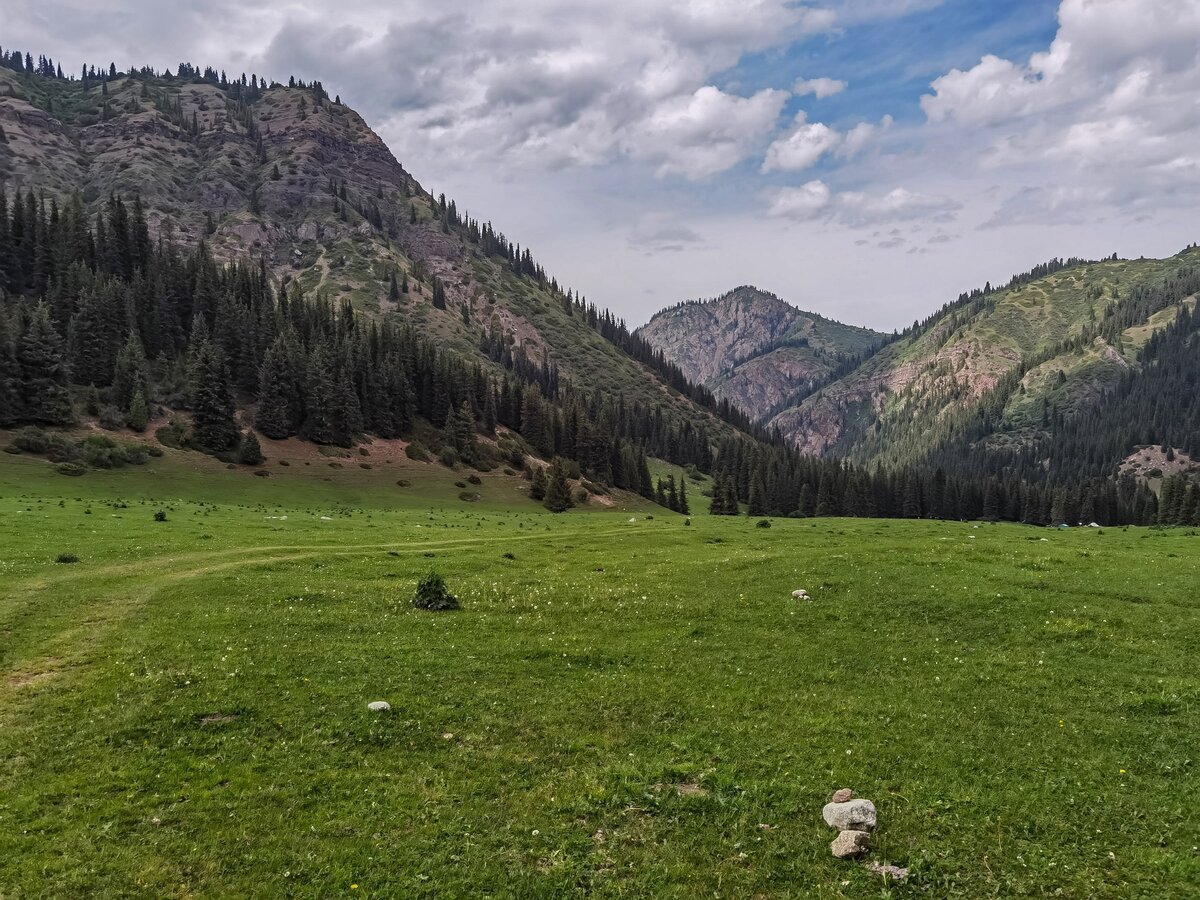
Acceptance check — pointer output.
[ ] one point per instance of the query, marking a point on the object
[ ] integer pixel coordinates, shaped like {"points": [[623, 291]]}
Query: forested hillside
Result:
{"points": [[212, 258]]}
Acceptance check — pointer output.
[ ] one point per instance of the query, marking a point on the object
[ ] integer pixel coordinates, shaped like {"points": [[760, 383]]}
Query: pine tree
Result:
{"points": [[44, 394], [131, 374], [213, 425], [558, 491], [318, 421], [10, 375], [537, 483], [249, 451], [460, 431], [683, 499], [138, 415], [273, 418]]}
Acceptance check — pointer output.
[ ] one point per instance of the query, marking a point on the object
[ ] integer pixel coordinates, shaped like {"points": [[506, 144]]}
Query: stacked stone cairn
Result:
{"points": [[854, 818]]}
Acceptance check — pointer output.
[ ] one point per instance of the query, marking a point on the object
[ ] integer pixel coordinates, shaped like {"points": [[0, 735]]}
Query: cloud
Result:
{"points": [[802, 147], [900, 205], [547, 84], [818, 87], [659, 233], [1103, 120], [857, 209], [706, 133], [800, 203], [807, 142]]}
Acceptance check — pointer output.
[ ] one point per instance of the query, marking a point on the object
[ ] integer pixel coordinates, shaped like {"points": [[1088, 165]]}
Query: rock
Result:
{"points": [[801, 595], [842, 796], [851, 815], [849, 844], [886, 872], [379, 706]]}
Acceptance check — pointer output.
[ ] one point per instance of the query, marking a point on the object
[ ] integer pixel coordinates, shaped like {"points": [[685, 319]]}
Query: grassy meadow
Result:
{"points": [[620, 709]]}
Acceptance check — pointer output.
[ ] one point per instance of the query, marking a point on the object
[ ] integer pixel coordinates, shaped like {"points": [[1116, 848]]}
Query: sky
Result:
{"points": [[868, 160]]}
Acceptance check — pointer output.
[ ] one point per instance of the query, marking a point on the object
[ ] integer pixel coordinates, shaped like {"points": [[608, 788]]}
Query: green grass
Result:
{"points": [[183, 710]]}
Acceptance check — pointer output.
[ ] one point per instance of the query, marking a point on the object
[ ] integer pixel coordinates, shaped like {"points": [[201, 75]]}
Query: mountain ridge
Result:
{"points": [[753, 349]]}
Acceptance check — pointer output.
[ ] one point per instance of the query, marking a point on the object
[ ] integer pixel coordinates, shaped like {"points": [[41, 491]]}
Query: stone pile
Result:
{"points": [[854, 818]]}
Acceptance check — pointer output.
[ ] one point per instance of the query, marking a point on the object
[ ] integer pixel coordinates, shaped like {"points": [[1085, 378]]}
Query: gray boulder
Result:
{"points": [[852, 815], [379, 706], [849, 844]]}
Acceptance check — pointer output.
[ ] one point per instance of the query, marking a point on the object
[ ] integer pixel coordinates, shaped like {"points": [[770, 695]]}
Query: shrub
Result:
{"points": [[469, 496], [74, 469], [249, 451], [432, 594], [160, 515], [365, 465], [66, 558], [448, 458], [460, 484], [173, 435], [509, 556], [403, 483], [763, 523], [111, 418], [262, 473], [417, 452], [474, 479]]}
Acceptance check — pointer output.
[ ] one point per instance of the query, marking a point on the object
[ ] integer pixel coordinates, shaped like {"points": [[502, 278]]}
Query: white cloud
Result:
{"points": [[802, 147], [800, 203], [899, 205], [706, 133], [818, 87], [1103, 120], [858, 209]]}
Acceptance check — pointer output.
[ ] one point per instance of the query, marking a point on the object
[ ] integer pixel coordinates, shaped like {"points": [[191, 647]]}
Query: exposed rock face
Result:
{"points": [[752, 348]]}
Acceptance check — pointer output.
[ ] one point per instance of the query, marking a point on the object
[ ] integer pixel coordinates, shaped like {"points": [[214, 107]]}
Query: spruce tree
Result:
{"points": [[537, 483], [318, 421], [10, 375], [213, 426], [273, 418], [138, 415], [45, 397], [558, 491], [249, 451], [131, 374]]}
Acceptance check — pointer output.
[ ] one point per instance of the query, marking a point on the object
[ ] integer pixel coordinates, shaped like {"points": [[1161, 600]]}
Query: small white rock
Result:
{"points": [[379, 706]]}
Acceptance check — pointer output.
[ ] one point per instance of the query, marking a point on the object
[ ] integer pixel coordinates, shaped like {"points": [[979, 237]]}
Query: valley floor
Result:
{"points": [[625, 705]]}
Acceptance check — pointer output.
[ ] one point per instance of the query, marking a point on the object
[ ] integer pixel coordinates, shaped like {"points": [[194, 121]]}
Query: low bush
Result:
{"points": [[417, 452], [66, 558], [432, 594]]}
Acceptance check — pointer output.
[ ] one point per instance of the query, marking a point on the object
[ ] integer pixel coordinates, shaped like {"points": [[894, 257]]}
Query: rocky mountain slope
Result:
{"points": [[1012, 367], [286, 175], [753, 349]]}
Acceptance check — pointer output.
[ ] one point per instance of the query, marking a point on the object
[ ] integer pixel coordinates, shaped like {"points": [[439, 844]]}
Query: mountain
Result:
{"points": [[283, 175], [753, 349], [1024, 370], [211, 259]]}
